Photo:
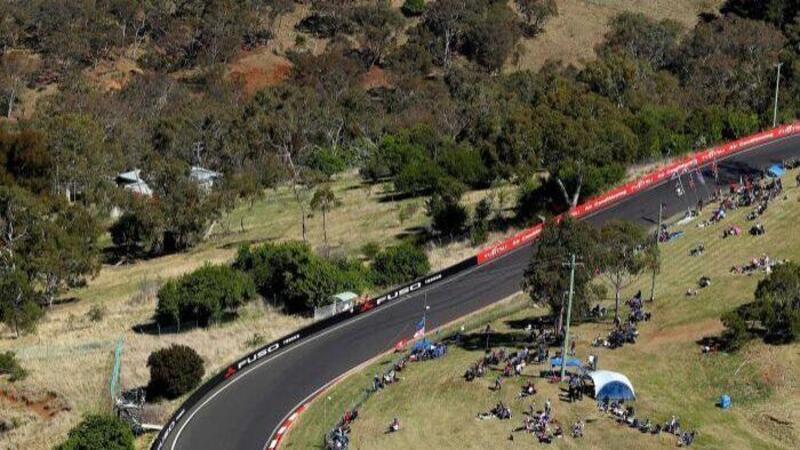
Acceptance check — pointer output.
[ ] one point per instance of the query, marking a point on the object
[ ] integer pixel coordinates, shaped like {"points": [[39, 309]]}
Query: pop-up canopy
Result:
{"points": [[611, 386], [776, 171], [571, 362]]}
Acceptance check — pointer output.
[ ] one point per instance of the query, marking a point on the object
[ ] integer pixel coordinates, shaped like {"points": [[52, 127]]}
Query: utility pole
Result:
{"points": [[777, 87], [569, 314], [658, 235]]}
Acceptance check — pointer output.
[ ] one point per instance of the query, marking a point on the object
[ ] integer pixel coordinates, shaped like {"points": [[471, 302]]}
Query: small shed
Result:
{"points": [[610, 385], [205, 178], [132, 181]]}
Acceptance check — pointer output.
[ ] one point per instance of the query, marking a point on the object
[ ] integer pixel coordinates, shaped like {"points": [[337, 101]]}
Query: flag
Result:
{"points": [[700, 177], [420, 329]]}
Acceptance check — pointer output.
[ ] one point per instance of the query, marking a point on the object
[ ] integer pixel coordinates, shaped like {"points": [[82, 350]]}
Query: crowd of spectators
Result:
{"points": [[625, 415]]}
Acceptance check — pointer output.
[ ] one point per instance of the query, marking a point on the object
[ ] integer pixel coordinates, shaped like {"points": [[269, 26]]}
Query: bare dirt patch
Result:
{"points": [[45, 406], [260, 69], [113, 75], [375, 78]]}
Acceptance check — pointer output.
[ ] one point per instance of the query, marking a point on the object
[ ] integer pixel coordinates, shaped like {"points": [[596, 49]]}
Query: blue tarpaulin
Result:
{"points": [[725, 401], [571, 362], [776, 171]]}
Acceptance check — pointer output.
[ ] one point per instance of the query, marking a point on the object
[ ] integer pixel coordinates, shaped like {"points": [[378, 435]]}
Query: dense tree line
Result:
{"points": [[449, 117]]}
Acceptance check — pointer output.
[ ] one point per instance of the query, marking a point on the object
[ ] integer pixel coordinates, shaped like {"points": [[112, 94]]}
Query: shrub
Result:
{"points": [[96, 313], [370, 249], [138, 229], [174, 371], [327, 162], [413, 8], [11, 367], [447, 218], [292, 276], [99, 431], [399, 264], [203, 295]]}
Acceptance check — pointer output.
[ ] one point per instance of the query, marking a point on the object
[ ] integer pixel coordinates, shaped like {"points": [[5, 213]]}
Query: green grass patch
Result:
{"points": [[437, 408]]}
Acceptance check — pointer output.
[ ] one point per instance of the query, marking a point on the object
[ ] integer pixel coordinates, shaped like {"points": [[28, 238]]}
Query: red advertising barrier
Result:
{"points": [[644, 182]]}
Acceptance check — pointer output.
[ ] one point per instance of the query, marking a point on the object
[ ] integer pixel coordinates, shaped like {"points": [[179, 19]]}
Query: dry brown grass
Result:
{"points": [[71, 356], [582, 24]]}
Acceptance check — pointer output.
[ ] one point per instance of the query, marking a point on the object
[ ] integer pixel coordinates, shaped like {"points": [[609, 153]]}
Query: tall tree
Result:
{"points": [[445, 19], [83, 159], [546, 279], [16, 69], [536, 14], [626, 251], [324, 200]]}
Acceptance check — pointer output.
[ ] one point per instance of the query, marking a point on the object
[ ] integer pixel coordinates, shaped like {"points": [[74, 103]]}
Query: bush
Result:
{"points": [[292, 276], [370, 249], [138, 229], [174, 371], [96, 313], [448, 218], [99, 431], [11, 367], [413, 8], [203, 295], [327, 162], [398, 264]]}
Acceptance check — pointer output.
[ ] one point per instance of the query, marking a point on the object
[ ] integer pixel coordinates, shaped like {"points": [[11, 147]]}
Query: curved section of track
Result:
{"points": [[243, 414]]}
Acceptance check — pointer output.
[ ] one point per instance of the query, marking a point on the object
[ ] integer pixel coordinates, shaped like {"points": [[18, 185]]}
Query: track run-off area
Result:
{"points": [[243, 407]]}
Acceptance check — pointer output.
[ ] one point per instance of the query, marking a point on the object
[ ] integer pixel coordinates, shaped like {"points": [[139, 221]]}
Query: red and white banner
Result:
{"points": [[602, 201]]}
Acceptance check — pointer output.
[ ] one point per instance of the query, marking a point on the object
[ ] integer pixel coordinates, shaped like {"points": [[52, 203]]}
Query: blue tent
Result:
{"points": [[420, 346], [571, 362], [611, 386], [776, 171]]}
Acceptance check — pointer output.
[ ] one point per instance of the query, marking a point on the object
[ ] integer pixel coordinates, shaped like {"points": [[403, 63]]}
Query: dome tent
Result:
{"points": [[611, 386]]}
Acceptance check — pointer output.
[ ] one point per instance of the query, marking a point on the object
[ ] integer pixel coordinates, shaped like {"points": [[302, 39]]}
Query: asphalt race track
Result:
{"points": [[243, 414]]}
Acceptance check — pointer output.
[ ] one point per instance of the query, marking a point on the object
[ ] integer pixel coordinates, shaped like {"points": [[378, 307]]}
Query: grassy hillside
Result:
{"points": [[580, 26], [670, 374], [69, 342]]}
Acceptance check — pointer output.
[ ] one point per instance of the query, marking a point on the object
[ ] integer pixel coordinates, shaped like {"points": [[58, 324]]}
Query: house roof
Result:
{"points": [[139, 187], [132, 176], [203, 174], [345, 296]]}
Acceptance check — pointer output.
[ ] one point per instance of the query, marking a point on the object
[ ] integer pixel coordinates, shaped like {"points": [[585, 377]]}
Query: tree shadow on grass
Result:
{"points": [[535, 322], [477, 341], [153, 328]]}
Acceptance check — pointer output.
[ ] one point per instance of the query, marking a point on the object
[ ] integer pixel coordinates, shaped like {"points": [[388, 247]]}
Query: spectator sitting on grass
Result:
{"points": [[528, 389], [577, 429]]}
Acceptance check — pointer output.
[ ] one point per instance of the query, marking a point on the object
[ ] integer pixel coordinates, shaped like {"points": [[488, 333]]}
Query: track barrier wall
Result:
{"points": [[495, 251], [679, 167]]}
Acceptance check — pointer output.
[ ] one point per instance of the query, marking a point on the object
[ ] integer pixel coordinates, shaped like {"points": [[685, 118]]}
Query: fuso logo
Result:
{"points": [[264, 352], [399, 292]]}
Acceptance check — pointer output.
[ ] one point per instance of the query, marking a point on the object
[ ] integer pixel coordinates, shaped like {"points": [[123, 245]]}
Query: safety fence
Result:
{"points": [[678, 167], [493, 252]]}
